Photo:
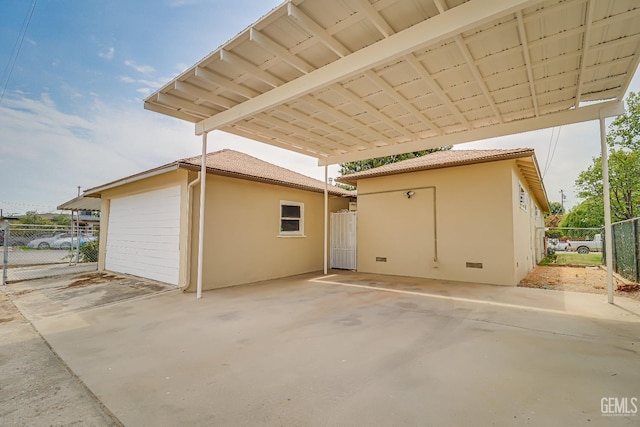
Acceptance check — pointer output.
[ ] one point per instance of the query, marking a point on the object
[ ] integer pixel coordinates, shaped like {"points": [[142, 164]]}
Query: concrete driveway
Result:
{"points": [[353, 349]]}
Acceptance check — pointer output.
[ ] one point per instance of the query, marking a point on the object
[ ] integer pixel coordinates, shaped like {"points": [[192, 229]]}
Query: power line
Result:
{"points": [[550, 156], [8, 69]]}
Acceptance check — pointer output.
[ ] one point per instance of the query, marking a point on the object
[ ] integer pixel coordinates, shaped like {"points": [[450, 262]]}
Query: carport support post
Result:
{"points": [[203, 187], [608, 230], [326, 219]]}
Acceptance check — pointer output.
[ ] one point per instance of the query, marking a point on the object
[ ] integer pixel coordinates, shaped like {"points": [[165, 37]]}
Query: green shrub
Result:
{"points": [[89, 251]]}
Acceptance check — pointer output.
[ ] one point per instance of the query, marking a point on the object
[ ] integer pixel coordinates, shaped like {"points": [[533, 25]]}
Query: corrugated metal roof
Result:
{"points": [[81, 203], [344, 80], [234, 164], [526, 163]]}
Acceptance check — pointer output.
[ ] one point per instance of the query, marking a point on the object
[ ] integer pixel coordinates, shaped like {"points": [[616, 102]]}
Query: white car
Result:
{"points": [[559, 245], [46, 242], [69, 242]]}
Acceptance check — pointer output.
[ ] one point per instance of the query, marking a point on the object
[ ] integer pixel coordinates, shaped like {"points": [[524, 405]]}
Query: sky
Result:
{"points": [[71, 112]]}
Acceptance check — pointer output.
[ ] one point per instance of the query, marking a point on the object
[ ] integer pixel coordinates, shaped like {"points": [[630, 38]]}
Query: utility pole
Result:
{"points": [[562, 199]]}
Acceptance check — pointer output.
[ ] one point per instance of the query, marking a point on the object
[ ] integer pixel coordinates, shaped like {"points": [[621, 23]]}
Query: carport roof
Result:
{"points": [[81, 203], [345, 80], [525, 161]]}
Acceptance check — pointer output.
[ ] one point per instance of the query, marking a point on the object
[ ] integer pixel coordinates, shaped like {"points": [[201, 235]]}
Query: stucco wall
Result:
{"points": [[474, 217], [527, 225], [242, 226]]}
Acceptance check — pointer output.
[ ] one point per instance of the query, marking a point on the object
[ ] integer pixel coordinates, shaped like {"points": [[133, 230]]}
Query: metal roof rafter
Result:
{"points": [[316, 30], [425, 33], [353, 98], [527, 60], [390, 91]]}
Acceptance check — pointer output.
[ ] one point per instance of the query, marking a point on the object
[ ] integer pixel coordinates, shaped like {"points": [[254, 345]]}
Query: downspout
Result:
{"points": [[608, 230], [203, 187], [190, 187], [326, 219]]}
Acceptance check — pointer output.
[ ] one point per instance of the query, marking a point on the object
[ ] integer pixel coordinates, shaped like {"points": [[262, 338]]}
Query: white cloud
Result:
{"points": [[108, 54], [142, 69], [46, 153]]}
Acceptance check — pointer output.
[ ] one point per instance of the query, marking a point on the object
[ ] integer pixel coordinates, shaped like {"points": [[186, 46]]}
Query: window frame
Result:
{"points": [[300, 231], [523, 198]]}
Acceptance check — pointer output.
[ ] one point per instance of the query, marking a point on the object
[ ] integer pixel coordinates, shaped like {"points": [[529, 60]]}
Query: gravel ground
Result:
{"points": [[575, 279], [36, 388]]}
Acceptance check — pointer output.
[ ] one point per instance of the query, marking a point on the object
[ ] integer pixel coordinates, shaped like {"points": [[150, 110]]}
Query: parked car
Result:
{"points": [[559, 245], [586, 246], [46, 242], [69, 242], [14, 240]]}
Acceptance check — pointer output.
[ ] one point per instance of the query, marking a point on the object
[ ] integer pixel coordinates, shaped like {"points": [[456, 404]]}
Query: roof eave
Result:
{"points": [[97, 191], [231, 174]]}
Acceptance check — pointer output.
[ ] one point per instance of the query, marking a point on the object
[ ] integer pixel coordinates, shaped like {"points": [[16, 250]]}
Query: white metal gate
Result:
{"points": [[343, 240]]}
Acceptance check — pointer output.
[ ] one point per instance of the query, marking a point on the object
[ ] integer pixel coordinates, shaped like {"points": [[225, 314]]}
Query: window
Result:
{"points": [[524, 199], [291, 218]]}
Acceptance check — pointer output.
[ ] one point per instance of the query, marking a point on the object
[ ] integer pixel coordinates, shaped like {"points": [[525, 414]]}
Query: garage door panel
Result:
{"points": [[143, 235]]}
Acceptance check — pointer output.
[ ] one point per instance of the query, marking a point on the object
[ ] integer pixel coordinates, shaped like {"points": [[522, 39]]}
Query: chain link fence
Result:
{"points": [[626, 249], [33, 251], [579, 240]]}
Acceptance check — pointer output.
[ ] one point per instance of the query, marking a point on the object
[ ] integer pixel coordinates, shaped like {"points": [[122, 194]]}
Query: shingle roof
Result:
{"points": [[438, 160], [525, 160], [239, 165]]}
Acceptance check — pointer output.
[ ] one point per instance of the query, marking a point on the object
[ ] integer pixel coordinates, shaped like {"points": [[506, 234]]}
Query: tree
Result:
{"points": [[624, 131], [588, 214], [624, 182], [556, 208], [363, 165], [32, 217]]}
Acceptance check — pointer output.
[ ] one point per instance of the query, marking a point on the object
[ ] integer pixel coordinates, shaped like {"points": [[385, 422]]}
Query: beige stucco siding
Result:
{"points": [[169, 179], [527, 225], [242, 243], [473, 213]]}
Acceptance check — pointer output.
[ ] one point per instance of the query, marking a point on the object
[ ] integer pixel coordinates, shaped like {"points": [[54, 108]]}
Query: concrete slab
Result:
{"points": [[36, 388], [353, 349]]}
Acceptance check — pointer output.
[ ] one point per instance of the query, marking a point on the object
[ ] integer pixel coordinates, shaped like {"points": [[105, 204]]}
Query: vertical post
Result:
{"points": [[326, 219], [78, 228], [203, 187], [636, 246], [607, 210], [5, 260]]}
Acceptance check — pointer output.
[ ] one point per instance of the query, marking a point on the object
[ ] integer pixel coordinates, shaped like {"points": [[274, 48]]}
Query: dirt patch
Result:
{"points": [[91, 279], [8, 311], [576, 279]]}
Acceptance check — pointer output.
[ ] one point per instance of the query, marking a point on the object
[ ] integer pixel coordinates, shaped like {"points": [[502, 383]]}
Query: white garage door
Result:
{"points": [[143, 235]]}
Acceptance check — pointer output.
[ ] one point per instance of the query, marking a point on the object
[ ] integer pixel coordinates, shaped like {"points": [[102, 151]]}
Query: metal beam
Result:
{"points": [[441, 27], [375, 18], [203, 94], [591, 112], [225, 83], [309, 25], [606, 194], [585, 50], [524, 40], [249, 68], [279, 51], [203, 201], [390, 91]]}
